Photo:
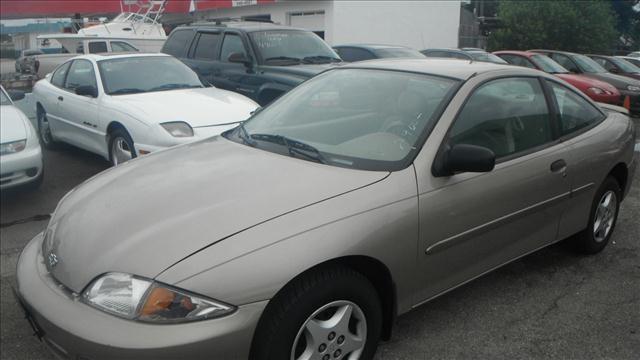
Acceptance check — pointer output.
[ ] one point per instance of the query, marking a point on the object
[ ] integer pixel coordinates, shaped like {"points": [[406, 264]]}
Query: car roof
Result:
{"points": [[446, 49], [452, 68], [246, 26], [600, 56], [373, 46], [516, 52], [118, 55], [553, 51]]}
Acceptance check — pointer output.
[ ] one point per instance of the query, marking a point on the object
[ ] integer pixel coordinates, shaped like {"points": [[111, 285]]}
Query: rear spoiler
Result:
{"points": [[615, 108]]}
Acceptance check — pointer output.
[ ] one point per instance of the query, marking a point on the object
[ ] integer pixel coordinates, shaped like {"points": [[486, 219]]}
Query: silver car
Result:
{"points": [[301, 234]]}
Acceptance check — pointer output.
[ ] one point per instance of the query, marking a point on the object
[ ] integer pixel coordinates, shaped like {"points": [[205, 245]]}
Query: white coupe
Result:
{"points": [[123, 106], [20, 152]]}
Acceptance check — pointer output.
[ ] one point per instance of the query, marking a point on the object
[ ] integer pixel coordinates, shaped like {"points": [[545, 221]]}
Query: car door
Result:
{"points": [[203, 57], [81, 112], [588, 156], [50, 101], [471, 223], [234, 76]]}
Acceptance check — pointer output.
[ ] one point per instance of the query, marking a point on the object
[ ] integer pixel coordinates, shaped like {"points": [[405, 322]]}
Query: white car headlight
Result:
{"points": [[136, 298], [633, 88], [178, 129], [12, 147]]}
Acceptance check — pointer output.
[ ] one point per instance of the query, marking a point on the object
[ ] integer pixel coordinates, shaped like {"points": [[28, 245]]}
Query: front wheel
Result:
{"points": [[602, 219], [121, 148], [332, 313], [44, 131]]}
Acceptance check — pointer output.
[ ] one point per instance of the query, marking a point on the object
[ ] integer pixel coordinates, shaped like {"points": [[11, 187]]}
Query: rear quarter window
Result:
{"points": [[178, 43]]}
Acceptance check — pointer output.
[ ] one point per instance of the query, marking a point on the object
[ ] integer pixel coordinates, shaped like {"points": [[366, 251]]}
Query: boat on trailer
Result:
{"points": [[140, 28]]}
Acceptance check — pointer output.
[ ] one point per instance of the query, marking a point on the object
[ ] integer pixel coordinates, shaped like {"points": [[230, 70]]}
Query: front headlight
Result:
{"points": [[178, 129], [633, 88], [595, 90], [12, 147], [136, 298]]}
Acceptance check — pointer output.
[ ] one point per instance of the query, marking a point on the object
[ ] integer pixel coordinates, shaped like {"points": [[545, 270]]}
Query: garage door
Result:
{"points": [[311, 20]]}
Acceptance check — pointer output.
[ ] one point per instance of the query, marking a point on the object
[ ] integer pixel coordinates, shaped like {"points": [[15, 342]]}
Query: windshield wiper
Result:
{"points": [[244, 135], [320, 59], [173, 86], [294, 146], [126, 91], [284, 58]]}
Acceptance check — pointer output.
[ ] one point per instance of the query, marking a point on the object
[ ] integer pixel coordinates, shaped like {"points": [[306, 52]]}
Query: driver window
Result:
{"points": [[507, 116], [80, 74]]}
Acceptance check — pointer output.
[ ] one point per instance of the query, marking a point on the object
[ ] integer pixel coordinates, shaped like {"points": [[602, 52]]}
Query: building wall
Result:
{"points": [[417, 24]]}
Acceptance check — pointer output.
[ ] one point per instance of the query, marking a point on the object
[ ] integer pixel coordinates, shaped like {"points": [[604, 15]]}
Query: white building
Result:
{"points": [[417, 24]]}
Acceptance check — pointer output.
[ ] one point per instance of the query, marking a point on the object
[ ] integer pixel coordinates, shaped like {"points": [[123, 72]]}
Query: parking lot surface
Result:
{"points": [[552, 304]]}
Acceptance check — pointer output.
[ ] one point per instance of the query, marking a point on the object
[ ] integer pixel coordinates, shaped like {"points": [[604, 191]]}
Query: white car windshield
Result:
{"points": [[139, 74], [356, 118]]}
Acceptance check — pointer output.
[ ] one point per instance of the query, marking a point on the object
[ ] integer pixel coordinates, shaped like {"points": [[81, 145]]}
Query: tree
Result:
{"points": [[579, 26], [628, 21]]}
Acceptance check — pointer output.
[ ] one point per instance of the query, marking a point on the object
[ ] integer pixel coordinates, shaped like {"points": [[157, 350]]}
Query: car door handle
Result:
{"points": [[60, 98], [559, 166]]}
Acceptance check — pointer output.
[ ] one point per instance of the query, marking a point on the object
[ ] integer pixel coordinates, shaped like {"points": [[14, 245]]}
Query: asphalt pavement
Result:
{"points": [[552, 304]]}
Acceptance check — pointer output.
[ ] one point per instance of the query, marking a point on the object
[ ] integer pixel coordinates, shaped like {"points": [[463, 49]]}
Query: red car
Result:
{"points": [[597, 90]]}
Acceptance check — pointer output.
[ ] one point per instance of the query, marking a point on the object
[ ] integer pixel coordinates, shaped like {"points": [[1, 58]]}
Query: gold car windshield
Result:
{"points": [[358, 118]]}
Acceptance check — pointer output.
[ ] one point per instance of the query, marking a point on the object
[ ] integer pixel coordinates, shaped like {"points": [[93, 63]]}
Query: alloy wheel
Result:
{"points": [[45, 129], [337, 330], [605, 216], [120, 151]]}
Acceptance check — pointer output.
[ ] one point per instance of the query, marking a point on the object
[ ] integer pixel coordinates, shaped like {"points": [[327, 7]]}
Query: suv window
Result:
{"points": [[58, 77], [232, 43], [575, 112], [96, 47], [120, 46], [80, 74], [207, 46], [516, 120], [354, 54], [178, 43]]}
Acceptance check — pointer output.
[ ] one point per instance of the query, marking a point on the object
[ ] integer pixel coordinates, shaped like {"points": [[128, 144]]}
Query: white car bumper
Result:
{"points": [[21, 167]]}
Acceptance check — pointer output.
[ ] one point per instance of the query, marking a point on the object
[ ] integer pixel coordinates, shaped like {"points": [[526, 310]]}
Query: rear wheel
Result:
{"points": [[602, 219], [332, 313], [121, 148], [44, 131]]}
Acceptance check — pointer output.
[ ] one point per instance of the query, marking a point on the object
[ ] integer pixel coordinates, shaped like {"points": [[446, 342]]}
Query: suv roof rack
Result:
{"points": [[223, 21]]}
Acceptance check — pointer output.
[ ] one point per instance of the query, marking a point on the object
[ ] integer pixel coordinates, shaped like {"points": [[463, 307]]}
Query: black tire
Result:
{"points": [[587, 241], [286, 313], [120, 134], [45, 137]]}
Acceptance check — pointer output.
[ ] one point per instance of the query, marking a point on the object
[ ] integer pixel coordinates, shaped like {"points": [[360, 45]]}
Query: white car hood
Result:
{"points": [[197, 107], [12, 126]]}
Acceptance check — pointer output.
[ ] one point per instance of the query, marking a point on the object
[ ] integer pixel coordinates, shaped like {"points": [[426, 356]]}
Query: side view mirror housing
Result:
{"points": [[464, 158], [87, 90], [15, 95], [240, 58]]}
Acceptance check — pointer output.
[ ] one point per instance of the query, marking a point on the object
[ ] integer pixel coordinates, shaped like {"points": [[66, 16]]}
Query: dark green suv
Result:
{"points": [[256, 59]]}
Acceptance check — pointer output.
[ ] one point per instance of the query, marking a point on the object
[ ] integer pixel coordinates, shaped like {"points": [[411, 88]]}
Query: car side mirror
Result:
{"points": [[87, 90], [614, 70], [464, 158], [15, 95], [240, 58]]}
